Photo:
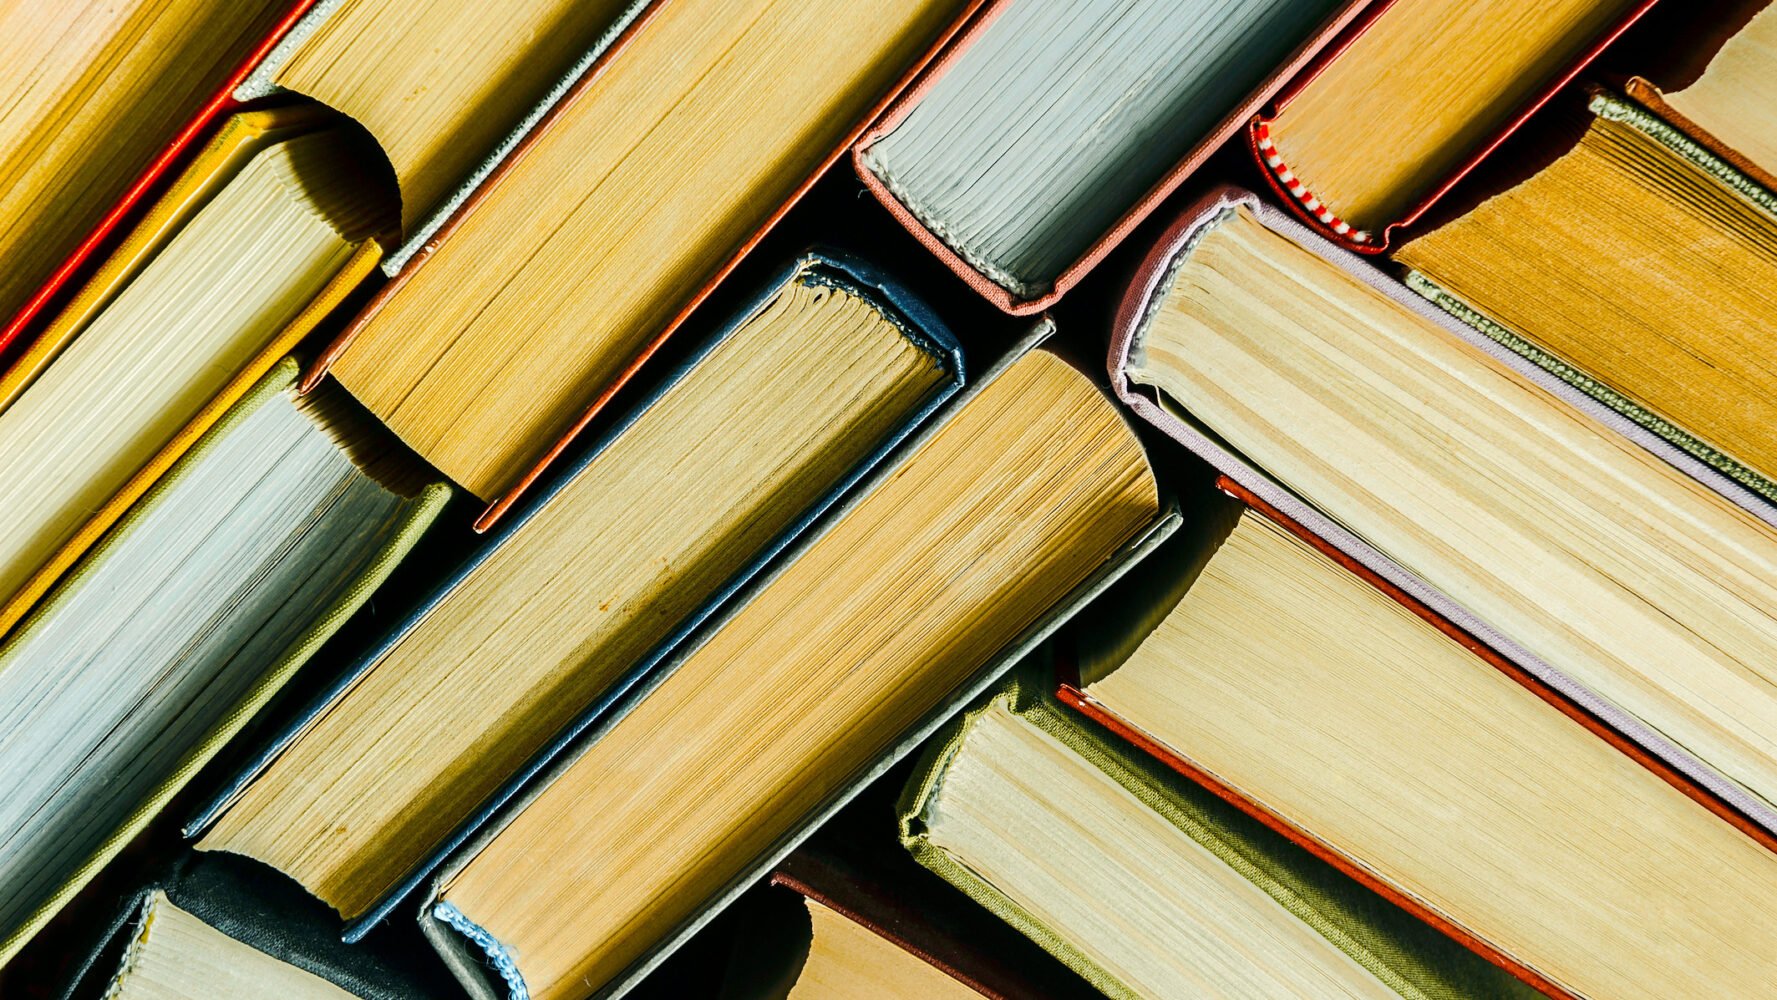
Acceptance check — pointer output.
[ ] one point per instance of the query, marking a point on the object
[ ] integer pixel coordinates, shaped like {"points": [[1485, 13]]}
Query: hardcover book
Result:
{"points": [[493, 348], [876, 924], [1048, 129], [95, 90], [1607, 563], [184, 620], [1258, 661], [1638, 266], [220, 926], [1412, 97], [1025, 497], [263, 233], [1148, 885], [774, 418], [446, 88]]}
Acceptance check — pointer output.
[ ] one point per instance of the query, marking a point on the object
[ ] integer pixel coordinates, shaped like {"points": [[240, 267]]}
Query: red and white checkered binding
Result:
{"points": [[1293, 184]]}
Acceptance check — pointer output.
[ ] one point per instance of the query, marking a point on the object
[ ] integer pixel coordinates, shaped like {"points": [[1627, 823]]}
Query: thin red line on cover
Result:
{"points": [[501, 504], [1071, 692], [151, 179], [1378, 241]]}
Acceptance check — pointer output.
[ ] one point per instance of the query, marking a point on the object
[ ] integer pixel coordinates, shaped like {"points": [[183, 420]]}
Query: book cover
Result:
{"points": [[915, 321], [240, 137], [1402, 953], [413, 258], [1135, 312], [1321, 219], [994, 291], [483, 964], [855, 869], [1648, 114], [416, 515], [154, 177], [250, 89], [259, 907], [1070, 691]]}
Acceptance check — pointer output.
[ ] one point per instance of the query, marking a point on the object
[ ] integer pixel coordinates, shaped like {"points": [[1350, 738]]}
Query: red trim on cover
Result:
{"points": [[150, 181], [1381, 240], [1071, 692], [504, 502], [1078, 700]]}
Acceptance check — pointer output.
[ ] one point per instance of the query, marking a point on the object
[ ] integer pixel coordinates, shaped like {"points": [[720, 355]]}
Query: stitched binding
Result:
{"points": [[1299, 191], [498, 955]]}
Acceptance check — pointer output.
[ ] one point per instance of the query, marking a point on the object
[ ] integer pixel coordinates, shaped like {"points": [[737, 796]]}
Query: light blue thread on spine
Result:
{"points": [[497, 954]]}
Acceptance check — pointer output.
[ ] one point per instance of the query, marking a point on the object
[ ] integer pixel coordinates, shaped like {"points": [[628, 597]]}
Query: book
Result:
{"points": [[183, 621], [1365, 140], [1049, 128], [175, 955], [1025, 497], [1326, 702], [874, 923], [94, 75], [766, 425], [234, 266], [201, 927], [671, 159], [1636, 266], [447, 89], [1597, 557], [1148, 885], [1723, 104]]}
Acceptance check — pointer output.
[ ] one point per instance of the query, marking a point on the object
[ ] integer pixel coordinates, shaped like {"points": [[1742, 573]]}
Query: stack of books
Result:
{"points": [[570, 498]]}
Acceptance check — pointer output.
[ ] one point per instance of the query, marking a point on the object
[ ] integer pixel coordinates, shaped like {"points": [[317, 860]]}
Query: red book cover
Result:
{"points": [[880, 887], [1324, 219], [1071, 692]]}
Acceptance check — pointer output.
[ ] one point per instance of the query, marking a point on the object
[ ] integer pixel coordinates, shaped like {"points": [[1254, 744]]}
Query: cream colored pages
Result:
{"points": [[1028, 489], [709, 473], [79, 76], [613, 218], [221, 289], [1396, 112], [176, 956], [1284, 675], [848, 960], [1735, 99], [440, 83], [1118, 881], [1616, 569]]}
